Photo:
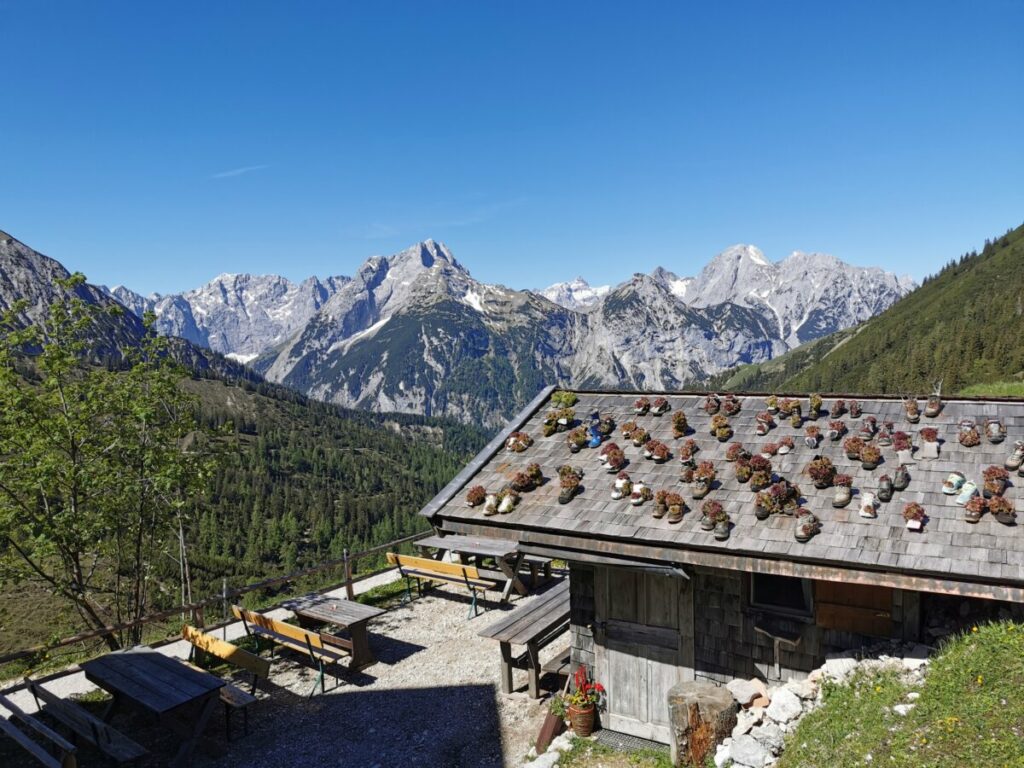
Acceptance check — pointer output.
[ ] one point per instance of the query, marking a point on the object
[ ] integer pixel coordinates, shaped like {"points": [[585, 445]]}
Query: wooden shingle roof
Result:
{"points": [[985, 559]]}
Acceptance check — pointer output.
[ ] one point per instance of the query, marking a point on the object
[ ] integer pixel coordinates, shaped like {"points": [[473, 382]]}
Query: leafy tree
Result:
{"points": [[97, 467]]}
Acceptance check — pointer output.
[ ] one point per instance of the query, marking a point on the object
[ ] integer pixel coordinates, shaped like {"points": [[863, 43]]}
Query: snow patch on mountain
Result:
{"points": [[576, 294]]}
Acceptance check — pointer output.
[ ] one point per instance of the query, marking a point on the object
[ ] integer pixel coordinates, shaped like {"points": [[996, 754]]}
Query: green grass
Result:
{"points": [[385, 595], [996, 389], [589, 754], [970, 712]]}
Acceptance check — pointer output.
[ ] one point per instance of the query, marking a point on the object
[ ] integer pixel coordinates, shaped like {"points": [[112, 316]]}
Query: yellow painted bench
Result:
{"points": [[425, 569]]}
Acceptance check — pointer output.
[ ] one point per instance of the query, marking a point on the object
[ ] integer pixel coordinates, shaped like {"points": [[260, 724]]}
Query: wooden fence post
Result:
{"points": [[349, 590]]}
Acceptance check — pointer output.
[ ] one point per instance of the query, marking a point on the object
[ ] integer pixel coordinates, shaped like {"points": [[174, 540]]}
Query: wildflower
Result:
{"points": [[974, 629]]}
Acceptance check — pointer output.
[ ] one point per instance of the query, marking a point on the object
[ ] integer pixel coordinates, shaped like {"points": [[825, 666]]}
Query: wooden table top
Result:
{"points": [[331, 610], [471, 545], [533, 618], [156, 682]]}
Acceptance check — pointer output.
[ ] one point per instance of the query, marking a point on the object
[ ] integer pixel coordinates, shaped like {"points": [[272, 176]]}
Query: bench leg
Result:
{"points": [[472, 605], [506, 668], [533, 669], [361, 654]]}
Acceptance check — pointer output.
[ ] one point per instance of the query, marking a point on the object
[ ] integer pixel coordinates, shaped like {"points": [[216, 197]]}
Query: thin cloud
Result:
{"points": [[238, 171]]}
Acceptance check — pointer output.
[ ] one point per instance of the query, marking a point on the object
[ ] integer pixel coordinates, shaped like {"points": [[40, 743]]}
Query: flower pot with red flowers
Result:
{"points": [[576, 439], [838, 409], [811, 436], [996, 480], [870, 456], [844, 490], [822, 471], [711, 404], [709, 510], [761, 464], [641, 406], [974, 509], [476, 496], [676, 507], [703, 478], [853, 446], [913, 513], [734, 451], [660, 406], [929, 446], [1002, 510], [686, 474], [622, 486], [581, 704], [868, 427], [518, 442], [680, 426]]}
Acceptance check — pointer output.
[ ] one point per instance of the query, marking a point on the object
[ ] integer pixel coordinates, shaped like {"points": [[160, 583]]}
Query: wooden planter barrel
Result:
{"points": [[582, 720]]}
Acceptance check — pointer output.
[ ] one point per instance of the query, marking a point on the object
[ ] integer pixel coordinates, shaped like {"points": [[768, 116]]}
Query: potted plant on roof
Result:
{"points": [[929, 443], [708, 510], [853, 446], [711, 404], [934, 406], [582, 703], [761, 464], [491, 504], [687, 450], [786, 445], [622, 486], [614, 460], [639, 436], [660, 406], [759, 480], [734, 451], [795, 419], [641, 406], [1002, 510], [679, 424], [913, 513], [660, 504], [628, 428], [855, 410], [836, 429], [724, 434], [884, 438], [811, 436], [569, 478], [901, 478], [766, 504], [522, 482], [743, 470], [703, 478], [806, 525], [565, 418], [996, 480], [771, 403], [722, 526], [974, 509], [606, 425], [788, 405], [769, 449], [885, 489], [870, 456], [676, 507], [814, 402], [967, 433], [550, 425], [904, 448], [518, 442], [844, 490], [868, 427], [838, 409], [576, 439], [718, 420], [911, 409], [660, 453], [563, 399], [640, 494], [686, 473], [476, 496], [764, 423], [731, 405], [822, 471], [507, 500]]}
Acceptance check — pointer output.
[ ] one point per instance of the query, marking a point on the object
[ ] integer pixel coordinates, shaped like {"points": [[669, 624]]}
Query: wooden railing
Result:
{"points": [[196, 610]]}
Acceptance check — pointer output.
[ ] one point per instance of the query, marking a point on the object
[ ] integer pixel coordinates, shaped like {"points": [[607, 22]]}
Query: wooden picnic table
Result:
{"points": [[505, 553], [535, 623], [344, 614], [180, 696]]}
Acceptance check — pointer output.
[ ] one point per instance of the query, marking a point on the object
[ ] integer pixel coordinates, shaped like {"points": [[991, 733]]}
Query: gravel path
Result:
{"points": [[432, 699]]}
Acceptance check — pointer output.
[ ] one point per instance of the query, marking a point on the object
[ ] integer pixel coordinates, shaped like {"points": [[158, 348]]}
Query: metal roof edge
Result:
{"points": [[498, 443]]}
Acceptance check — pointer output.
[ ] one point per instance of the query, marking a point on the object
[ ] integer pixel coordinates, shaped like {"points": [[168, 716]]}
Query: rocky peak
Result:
{"points": [[575, 294]]}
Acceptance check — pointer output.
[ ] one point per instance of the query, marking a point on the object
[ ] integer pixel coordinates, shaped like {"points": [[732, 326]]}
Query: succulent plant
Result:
{"points": [[563, 399], [476, 495]]}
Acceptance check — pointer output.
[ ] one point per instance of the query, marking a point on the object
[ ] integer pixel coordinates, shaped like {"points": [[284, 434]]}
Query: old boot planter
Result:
{"points": [[622, 486], [1015, 459], [1002, 510], [915, 517], [901, 478], [807, 525], [710, 511], [995, 430], [844, 491], [928, 447]]}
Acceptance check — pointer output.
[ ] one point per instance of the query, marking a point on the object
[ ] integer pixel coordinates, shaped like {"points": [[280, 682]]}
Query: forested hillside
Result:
{"points": [[963, 327]]}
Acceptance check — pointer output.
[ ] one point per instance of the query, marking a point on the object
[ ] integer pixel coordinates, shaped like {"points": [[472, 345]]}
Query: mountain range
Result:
{"points": [[415, 332]]}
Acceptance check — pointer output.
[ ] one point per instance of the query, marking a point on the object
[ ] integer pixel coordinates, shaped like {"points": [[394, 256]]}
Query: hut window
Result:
{"points": [[782, 594]]}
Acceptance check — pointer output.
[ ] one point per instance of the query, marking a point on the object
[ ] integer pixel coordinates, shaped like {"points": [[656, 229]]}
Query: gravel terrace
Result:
{"points": [[432, 699]]}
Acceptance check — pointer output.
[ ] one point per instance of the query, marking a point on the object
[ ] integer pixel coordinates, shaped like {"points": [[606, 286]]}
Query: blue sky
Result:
{"points": [[157, 145]]}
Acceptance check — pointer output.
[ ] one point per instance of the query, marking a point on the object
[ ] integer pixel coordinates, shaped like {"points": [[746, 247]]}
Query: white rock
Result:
{"points": [[722, 755], [744, 691], [770, 736], [747, 750], [548, 760], [785, 706], [902, 709], [916, 657], [805, 689], [913, 696], [838, 666], [747, 719]]}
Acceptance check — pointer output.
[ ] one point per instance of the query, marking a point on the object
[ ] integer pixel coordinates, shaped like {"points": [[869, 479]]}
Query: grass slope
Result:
{"points": [[970, 712], [963, 327]]}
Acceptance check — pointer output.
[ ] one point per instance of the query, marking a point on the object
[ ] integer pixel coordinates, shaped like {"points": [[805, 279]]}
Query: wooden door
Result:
{"points": [[644, 645]]}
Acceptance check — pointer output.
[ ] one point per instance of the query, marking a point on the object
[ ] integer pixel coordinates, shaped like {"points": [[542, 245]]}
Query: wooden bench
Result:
{"points": [[321, 648], [86, 725], [425, 569], [560, 664], [233, 697], [537, 565], [65, 750], [535, 624]]}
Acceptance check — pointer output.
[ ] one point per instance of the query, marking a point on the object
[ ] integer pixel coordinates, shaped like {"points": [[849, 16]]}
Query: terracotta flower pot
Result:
{"points": [[582, 720]]}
